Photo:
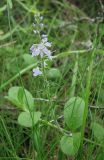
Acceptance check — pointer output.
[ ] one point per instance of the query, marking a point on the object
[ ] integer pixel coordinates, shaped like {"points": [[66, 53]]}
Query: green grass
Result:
{"points": [[69, 28]]}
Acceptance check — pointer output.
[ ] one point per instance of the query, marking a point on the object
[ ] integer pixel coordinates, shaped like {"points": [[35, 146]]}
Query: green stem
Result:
{"points": [[74, 78], [88, 85], [61, 130], [64, 131]]}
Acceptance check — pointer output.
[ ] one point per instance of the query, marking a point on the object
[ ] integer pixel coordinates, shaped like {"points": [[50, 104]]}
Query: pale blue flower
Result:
{"points": [[47, 52], [34, 50], [36, 72], [41, 49]]}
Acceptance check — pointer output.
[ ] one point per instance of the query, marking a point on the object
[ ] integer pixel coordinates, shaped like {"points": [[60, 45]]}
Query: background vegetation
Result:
{"points": [[76, 30]]}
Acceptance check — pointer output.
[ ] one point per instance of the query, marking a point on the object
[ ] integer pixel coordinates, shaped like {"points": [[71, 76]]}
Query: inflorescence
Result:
{"points": [[42, 48]]}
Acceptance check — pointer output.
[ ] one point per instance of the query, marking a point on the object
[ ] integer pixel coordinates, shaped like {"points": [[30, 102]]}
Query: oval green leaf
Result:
{"points": [[70, 145], [54, 73], [73, 113], [21, 98], [28, 120], [98, 132]]}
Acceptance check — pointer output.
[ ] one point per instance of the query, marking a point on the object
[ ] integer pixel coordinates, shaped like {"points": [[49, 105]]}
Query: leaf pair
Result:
{"points": [[73, 117], [23, 99]]}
